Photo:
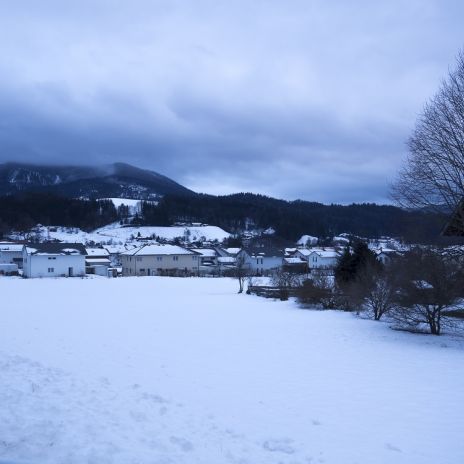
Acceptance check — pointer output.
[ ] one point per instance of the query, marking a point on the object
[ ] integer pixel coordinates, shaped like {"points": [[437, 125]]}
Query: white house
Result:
{"points": [[159, 259], [323, 260], [97, 261], [54, 260], [319, 258], [262, 258], [11, 253]]}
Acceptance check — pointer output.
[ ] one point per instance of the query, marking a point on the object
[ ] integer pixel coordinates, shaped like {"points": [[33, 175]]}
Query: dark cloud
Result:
{"points": [[298, 99]]}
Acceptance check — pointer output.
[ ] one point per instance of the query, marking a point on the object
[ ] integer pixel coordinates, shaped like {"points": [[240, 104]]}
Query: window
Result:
{"points": [[194, 257], [175, 258], [52, 257], [142, 270], [159, 258], [51, 269]]}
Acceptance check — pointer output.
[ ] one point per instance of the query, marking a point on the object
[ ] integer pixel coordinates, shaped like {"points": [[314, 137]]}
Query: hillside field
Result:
{"points": [[165, 370]]}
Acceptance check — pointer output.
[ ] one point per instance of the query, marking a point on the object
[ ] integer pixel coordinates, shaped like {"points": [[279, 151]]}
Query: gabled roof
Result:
{"points": [[232, 251], [97, 252], [327, 253], [63, 249], [7, 246], [206, 252], [265, 251], [159, 249], [322, 252]]}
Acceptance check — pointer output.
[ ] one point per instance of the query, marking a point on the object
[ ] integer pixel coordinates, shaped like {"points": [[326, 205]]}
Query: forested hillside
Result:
{"points": [[235, 213], [293, 219]]}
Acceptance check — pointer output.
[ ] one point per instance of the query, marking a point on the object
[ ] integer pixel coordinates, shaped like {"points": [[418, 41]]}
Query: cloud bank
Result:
{"points": [[294, 99]]}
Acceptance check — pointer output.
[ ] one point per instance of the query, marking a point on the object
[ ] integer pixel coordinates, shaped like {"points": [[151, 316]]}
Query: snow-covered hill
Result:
{"points": [[116, 234], [186, 371]]}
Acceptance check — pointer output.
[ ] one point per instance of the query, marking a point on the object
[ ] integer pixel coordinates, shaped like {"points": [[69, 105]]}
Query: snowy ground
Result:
{"points": [[165, 370]]}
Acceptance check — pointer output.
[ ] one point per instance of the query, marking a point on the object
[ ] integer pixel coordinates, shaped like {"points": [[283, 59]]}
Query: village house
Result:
{"points": [[319, 259], [295, 264], [160, 259], [261, 258], [97, 261], [208, 260], [11, 253], [54, 260], [323, 260]]}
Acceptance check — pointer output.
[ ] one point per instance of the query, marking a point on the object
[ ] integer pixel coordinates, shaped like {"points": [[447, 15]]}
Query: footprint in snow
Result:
{"points": [[283, 445], [182, 443], [391, 447]]}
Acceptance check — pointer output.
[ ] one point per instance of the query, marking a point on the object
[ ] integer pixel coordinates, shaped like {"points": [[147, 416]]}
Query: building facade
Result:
{"points": [[54, 260], [158, 259]]}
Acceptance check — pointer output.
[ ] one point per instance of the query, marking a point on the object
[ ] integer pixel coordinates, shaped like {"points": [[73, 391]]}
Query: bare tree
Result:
{"points": [[380, 296], [285, 280], [428, 284], [318, 290], [241, 271], [433, 176]]}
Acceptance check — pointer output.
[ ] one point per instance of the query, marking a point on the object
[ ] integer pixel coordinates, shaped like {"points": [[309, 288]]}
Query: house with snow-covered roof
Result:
{"points": [[323, 260], [54, 260], [262, 258], [319, 258], [97, 261], [160, 259], [11, 253]]}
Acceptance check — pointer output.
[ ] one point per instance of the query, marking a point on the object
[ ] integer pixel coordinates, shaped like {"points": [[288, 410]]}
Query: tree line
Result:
{"points": [[23, 211], [291, 219]]}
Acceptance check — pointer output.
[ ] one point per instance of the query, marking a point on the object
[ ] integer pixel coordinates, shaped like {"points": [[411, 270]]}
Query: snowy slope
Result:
{"points": [[115, 234], [124, 233], [165, 370]]}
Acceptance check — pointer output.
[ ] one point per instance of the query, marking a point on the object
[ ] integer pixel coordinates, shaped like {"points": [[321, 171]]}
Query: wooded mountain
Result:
{"points": [[114, 180]]}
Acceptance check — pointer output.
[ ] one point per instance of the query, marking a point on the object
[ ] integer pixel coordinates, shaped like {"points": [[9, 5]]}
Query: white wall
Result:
{"points": [[39, 265], [153, 264], [259, 264], [318, 262]]}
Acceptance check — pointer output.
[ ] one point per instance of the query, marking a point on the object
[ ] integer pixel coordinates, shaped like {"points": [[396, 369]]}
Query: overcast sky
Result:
{"points": [[294, 99]]}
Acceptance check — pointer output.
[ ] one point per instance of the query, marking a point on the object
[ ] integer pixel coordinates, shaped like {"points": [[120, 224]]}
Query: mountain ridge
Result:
{"points": [[111, 180]]}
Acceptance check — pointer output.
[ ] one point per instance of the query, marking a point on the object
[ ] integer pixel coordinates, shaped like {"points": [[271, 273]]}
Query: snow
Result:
{"points": [[97, 252], [124, 234], [116, 234], [124, 201], [307, 240], [158, 249], [187, 371], [233, 251], [207, 252], [7, 246]]}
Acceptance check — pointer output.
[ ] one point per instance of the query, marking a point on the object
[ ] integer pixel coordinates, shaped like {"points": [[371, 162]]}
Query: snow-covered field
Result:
{"points": [[165, 370]]}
